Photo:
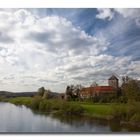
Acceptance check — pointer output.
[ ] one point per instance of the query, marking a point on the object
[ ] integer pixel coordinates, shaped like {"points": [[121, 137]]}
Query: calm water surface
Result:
{"points": [[21, 119]]}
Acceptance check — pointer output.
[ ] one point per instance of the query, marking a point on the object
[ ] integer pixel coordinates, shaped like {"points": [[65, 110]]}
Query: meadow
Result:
{"points": [[128, 113]]}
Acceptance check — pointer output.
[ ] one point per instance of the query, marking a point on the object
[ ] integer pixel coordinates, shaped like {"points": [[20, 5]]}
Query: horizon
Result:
{"points": [[57, 47]]}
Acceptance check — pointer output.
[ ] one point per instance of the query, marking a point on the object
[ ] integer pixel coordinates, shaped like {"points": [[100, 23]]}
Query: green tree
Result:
{"points": [[131, 91], [73, 92], [41, 91]]}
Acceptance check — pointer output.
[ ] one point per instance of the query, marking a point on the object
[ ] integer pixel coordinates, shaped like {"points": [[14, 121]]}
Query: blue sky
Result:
{"points": [[57, 47]]}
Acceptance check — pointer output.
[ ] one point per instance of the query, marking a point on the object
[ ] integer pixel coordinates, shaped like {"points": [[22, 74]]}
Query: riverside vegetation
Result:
{"points": [[124, 108], [127, 113]]}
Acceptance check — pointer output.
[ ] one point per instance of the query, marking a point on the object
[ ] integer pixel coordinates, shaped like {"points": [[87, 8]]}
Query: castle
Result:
{"points": [[113, 85]]}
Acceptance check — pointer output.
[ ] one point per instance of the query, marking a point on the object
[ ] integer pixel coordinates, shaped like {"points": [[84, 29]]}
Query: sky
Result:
{"points": [[58, 47]]}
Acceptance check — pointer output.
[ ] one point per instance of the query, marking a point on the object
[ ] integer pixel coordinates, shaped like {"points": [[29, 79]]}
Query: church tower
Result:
{"points": [[113, 81]]}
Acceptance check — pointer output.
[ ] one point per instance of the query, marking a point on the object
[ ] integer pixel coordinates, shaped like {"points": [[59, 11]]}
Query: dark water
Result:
{"points": [[21, 119]]}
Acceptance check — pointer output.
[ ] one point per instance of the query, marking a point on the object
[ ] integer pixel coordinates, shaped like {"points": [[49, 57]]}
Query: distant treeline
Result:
{"points": [[17, 94]]}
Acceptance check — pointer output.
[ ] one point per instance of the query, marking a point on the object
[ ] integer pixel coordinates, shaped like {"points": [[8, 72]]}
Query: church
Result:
{"points": [[113, 85]]}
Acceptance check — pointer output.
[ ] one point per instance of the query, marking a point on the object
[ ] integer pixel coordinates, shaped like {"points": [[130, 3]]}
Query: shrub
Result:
{"points": [[41, 91], [122, 99], [71, 109], [51, 104], [35, 102], [21, 101], [135, 117], [42, 105], [2, 98], [127, 112], [119, 111]]}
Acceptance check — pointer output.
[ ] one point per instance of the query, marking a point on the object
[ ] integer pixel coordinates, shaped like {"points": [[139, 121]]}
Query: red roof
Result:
{"points": [[97, 88]]}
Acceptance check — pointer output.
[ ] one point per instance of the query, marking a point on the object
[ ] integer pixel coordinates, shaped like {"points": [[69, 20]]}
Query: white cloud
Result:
{"points": [[40, 47], [131, 13], [105, 13], [49, 51]]}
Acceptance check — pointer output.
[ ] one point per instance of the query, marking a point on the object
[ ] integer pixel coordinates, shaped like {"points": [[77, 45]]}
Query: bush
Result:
{"points": [[127, 112], [51, 104], [118, 111], [36, 102], [122, 99], [135, 118], [21, 101], [2, 98], [41, 91], [71, 109]]}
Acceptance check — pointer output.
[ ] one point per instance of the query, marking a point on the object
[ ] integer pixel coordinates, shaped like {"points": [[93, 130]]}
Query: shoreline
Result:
{"points": [[86, 113]]}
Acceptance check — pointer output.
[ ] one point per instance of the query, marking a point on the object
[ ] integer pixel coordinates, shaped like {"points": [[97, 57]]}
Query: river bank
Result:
{"points": [[125, 114]]}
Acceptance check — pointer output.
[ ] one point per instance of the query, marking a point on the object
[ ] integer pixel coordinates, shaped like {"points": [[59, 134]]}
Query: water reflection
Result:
{"points": [[21, 119]]}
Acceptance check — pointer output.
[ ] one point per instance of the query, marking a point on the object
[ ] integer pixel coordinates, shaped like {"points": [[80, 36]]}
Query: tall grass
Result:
{"points": [[126, 112], [21, 101], [49, 105]]}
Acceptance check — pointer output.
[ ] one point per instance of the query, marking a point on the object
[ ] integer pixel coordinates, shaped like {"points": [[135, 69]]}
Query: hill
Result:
{"points": [[17, 94]]}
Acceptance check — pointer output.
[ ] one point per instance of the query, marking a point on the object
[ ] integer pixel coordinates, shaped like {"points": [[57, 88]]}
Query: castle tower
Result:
{"points": [[113, 81]]}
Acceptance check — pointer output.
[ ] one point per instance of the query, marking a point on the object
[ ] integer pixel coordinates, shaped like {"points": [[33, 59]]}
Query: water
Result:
{"points": [[21, 119]]}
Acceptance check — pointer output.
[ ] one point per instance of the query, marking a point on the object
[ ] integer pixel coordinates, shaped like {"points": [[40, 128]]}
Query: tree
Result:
{"points": [[125, 79], [47, 94], [131, 90], [73, 92], [41, 91], [94, 84]]}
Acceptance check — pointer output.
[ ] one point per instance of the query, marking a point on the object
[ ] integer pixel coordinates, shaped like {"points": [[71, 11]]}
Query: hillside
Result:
{"points": [[17, 94]]}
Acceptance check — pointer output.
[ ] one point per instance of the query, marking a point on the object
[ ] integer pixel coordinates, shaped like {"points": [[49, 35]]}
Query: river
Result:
{"points": [[22, 119]]}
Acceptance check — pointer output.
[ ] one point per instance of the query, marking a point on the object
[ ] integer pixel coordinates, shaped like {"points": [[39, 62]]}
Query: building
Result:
{"points": [[93, 91], [113, 81], [88, 92]]}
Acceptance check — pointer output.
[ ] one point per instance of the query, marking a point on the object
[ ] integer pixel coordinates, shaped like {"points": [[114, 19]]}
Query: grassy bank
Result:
{"points": [[95, 109], [125, 112], [48, 106], [64, 107]]}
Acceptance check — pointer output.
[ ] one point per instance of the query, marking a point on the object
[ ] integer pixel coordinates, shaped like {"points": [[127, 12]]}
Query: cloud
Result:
{"points": [[105, 13], [65, 37], [4, 38], [41, 46], [128, 12], [50, 51]]}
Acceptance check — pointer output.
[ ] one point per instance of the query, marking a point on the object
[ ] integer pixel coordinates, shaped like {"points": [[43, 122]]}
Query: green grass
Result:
{"points": [[125, 112], [48, 105], [96, 109], [21, 100]]}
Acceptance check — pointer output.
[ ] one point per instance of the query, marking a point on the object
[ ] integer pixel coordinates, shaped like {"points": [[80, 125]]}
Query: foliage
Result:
{"points": [[122, 99], [73, 92], [35, 102], [72, 109], [2, 98], [21, 101], [107, 97], [51, 104], [135, 117], [118, 111], [97, 109], [48, 105], [131, 91], [127, 112], [41, 91]]}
